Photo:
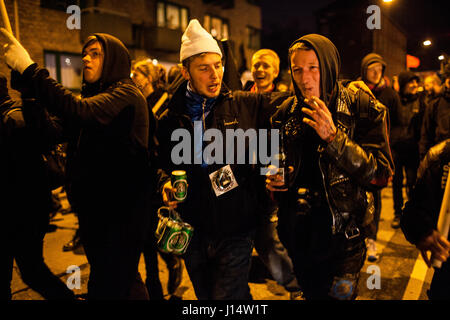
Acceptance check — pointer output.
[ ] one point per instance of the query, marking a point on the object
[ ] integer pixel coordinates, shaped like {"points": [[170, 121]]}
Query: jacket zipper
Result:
{"points": [[203, 114], [333, 226]]}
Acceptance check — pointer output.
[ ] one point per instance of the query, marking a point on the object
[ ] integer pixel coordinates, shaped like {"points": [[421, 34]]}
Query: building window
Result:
{"points": [[60, 5], [171, 16], [218, 27], [66, 68], [253, 38]]}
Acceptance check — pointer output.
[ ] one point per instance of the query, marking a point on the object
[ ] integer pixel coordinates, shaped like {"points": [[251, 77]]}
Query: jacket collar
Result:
{"points": [[177, 105]]}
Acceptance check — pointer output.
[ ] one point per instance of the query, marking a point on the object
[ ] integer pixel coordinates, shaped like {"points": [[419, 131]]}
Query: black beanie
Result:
{"points": [[368, 60], [404, 77]]}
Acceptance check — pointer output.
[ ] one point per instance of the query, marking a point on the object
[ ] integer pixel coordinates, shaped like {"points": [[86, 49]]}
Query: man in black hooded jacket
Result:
{"points": [[406, 123], [107, 131], [338, 148]]}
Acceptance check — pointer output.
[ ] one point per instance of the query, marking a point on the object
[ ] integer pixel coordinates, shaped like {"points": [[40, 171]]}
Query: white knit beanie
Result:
{"points": [[197, 40]]}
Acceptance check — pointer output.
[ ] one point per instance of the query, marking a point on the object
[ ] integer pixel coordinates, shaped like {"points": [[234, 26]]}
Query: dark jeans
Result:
{"points": [[408, 158], [372, 229], [25, 245], [274, 255], [113, 240], [219, 269], [327, 267], [152, 281]]}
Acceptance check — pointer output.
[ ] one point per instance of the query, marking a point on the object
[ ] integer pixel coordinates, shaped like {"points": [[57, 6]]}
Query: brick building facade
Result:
{"points": [[151, 28]]}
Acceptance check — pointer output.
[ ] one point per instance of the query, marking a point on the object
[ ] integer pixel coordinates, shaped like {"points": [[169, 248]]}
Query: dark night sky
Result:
{"points": [[284, 21]]}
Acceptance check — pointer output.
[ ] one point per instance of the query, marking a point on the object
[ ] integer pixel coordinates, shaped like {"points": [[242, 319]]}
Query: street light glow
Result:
{"points": [[441, 57], [427, 43], [387, 1]]}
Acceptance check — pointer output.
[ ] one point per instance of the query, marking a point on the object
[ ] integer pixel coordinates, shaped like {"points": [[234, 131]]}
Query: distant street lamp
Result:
{"points": [[387, 1], [441, 57], [427, 43]]}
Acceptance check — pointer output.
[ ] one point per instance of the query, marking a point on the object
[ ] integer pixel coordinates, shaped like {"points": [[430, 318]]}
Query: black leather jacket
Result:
{"points": [[356, 162]]}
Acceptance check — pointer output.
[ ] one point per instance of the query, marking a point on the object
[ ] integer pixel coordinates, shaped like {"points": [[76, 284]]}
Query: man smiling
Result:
{"points": [[265, 69]]}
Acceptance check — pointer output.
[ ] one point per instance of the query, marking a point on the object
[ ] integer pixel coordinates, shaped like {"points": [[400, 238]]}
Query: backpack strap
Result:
{"points": [[362, 104]]}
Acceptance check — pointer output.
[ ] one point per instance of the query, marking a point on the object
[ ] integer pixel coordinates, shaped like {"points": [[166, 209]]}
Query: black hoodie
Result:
{"points": [[406, 120], [107, 130], [329, 65], [357, 160]]}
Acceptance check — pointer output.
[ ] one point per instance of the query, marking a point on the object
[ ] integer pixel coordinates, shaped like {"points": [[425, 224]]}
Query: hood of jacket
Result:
{"points": [[404, 77], [116, 64], [329, 65], [367, 61]]}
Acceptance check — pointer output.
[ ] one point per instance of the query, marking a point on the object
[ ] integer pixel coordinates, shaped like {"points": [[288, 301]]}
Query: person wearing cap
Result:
{"points": [[107, 158], [436, 124], [337, 149], [265, 69], [150, 79], [406, 122], [373, 67], [223, 198]]}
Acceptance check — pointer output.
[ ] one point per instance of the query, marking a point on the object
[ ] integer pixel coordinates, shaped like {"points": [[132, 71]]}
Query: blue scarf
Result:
{"points": [[194, 109], [194, 103]]}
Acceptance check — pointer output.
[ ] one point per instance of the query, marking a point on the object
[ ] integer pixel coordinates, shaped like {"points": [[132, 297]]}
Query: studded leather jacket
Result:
{"points": [[355, 163]]}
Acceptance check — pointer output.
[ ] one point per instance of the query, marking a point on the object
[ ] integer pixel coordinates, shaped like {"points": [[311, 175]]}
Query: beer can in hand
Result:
{"points": [[179, 182]]}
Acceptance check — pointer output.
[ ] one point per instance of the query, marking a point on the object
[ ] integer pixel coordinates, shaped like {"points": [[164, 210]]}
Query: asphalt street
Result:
{"points": [[399, 273]]}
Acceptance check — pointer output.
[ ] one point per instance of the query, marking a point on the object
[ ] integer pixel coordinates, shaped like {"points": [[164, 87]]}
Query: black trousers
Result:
{"points": [[405, 157], [372, 229], [440, 285], [327, 266], [219, 268], [152, 281], [24, 243], [112, 227]]}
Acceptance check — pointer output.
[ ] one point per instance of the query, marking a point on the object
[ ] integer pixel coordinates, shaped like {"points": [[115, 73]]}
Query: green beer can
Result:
{"points": [[179, 182], [170, 236]]}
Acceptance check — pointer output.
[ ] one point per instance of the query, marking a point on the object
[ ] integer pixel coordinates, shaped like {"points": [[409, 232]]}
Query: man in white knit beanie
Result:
{"points": [[223, 198]]}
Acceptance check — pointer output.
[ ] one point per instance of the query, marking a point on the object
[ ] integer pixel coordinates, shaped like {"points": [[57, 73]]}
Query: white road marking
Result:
{"points": [[417, 279]]}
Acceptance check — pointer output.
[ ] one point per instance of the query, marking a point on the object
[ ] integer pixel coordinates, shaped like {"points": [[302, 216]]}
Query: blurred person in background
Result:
{"points": [[406, 122], [436, 123], [373, 68]]}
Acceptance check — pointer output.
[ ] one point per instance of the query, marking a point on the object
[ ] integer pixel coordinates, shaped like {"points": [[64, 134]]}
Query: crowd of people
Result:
{"points": [[313, 226]]}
